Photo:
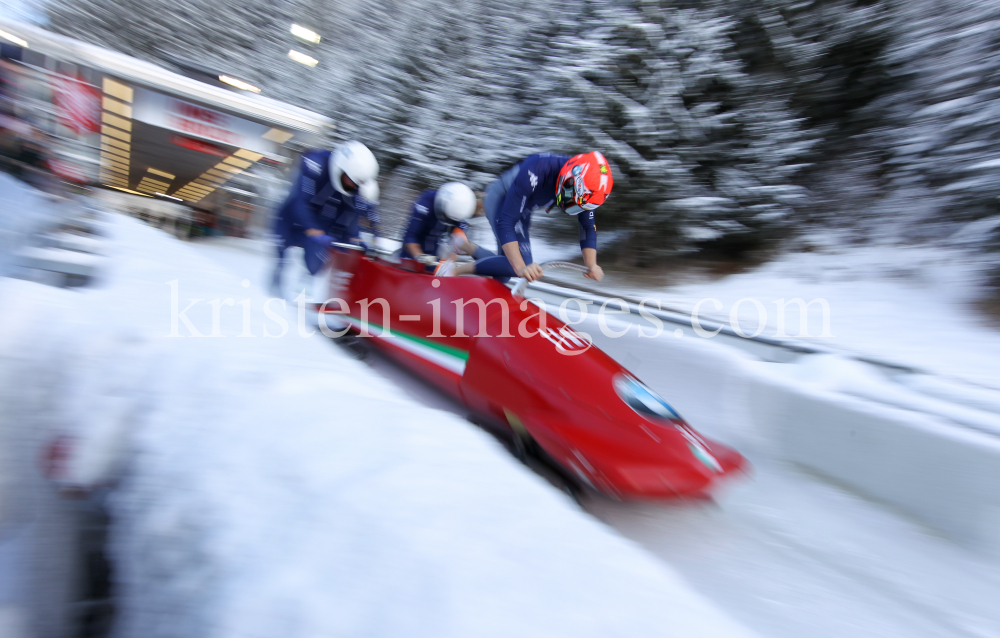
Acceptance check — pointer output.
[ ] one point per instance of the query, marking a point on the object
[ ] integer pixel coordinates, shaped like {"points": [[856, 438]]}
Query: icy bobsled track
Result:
{"points": [[788, 552], [790, 555], [828, 538]]}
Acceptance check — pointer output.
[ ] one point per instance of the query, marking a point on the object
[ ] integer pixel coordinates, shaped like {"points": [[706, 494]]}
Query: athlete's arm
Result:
{"points": [[413, 249], [588, 245]]}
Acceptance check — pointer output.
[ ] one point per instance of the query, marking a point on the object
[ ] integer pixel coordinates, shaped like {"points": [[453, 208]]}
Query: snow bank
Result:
{"points": [[275, 487], [919, 457], [912, 306], [30, 341], [24, 212]]}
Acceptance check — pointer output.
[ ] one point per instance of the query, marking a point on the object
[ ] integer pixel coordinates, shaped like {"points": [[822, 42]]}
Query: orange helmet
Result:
{"points": [[584, 183]]}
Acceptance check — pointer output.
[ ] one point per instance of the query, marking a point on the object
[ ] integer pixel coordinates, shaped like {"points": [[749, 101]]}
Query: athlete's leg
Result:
{"points": [[316, 256], [498, 266], [279, 267]]}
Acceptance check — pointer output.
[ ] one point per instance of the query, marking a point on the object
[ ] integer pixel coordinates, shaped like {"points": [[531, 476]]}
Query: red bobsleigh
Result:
{"points": [[515, 366]]}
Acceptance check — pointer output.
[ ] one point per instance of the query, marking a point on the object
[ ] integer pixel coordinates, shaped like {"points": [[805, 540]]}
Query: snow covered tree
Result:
{"points": [[825, 56], [945, 147], [250, 40], [452, 84], [464, 89], [700, 160]]}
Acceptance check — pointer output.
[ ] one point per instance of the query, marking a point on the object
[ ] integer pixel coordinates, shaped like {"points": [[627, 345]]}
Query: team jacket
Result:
{"points": [[425, 228], [534, 188], [313, 202]]}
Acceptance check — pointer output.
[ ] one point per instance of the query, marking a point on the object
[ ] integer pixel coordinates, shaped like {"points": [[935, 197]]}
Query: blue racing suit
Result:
{"points": [[425, 228], [510, 200], [313, 203]]}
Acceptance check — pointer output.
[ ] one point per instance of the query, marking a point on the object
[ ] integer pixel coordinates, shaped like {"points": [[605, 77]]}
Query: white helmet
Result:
{"points": [[354, 160], [455, 202], [369, 191]]}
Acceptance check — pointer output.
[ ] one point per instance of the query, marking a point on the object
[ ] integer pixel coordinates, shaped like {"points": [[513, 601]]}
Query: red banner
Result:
{"points": [[69, 171], [198, 145], [78, 104]]}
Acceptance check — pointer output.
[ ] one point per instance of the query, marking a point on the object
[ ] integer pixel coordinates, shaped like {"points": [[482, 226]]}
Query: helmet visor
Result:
{"points": [[570, 202], [348, 184]]}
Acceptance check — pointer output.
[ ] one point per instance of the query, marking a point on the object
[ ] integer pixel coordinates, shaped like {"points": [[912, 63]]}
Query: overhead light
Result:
{"points": [[306, 34], [240, 84], [302, 58], [113, 142], [278, 136], [114, 120], [155, 171], [248, 155], [117, 90], [239, 191], [24, 43], [113, 132], [235, 161], [165, 196], [115, 151], [129, 191], [117, 107]]}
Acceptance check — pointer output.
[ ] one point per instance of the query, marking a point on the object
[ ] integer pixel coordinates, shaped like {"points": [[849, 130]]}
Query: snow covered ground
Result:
{"points": [[273, 486]]}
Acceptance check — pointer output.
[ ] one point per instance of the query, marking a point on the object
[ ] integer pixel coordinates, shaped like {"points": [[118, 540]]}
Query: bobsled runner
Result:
{"points": [[516, 367]]}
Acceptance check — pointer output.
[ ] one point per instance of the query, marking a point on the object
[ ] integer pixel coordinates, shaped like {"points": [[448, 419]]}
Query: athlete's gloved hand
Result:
{"points": [[322, 240], [429, 260]]}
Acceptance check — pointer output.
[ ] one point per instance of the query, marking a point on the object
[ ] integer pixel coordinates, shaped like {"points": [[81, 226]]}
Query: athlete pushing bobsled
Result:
{"points": [[576, 185], [331, 192], [440, 218]]}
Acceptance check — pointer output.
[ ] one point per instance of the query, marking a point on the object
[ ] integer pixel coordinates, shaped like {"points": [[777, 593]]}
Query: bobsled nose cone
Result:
{"points": [[729, 459]]}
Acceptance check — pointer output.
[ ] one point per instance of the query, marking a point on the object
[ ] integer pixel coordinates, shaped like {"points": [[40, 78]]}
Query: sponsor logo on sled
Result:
{"points": [[567, 341]]}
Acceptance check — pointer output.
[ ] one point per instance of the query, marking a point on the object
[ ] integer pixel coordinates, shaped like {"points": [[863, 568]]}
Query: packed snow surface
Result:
{"points": [[273, 486]]}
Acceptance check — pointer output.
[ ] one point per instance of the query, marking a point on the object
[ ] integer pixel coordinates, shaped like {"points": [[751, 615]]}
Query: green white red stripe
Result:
{"points": [[447, 357]]}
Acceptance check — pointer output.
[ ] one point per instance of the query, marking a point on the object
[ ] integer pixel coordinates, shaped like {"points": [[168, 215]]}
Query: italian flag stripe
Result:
{"points": [[447, 357]]}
